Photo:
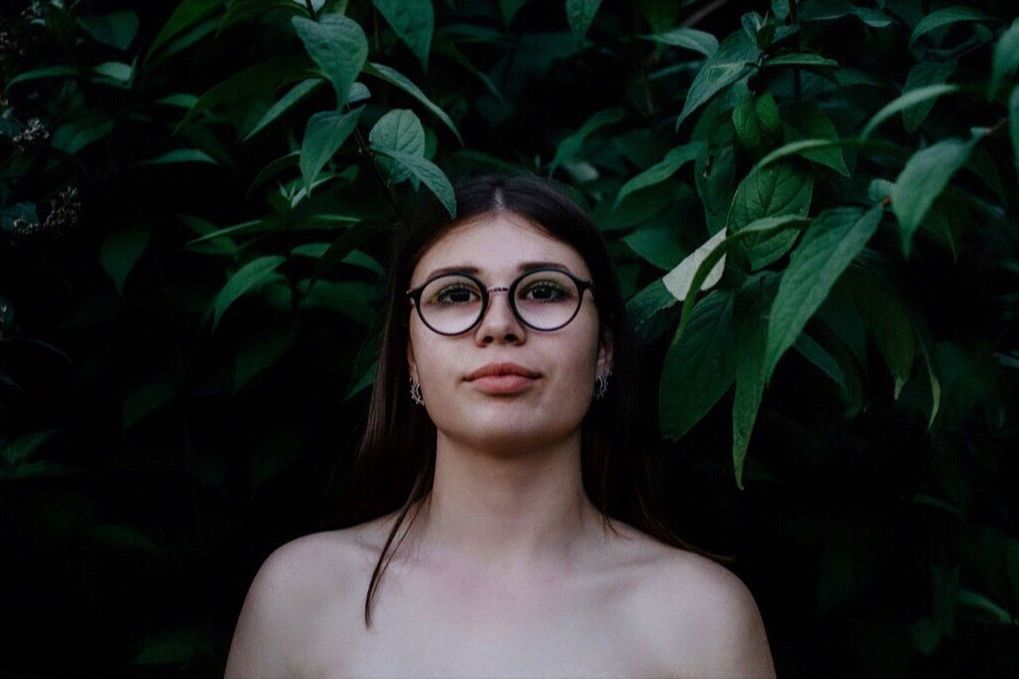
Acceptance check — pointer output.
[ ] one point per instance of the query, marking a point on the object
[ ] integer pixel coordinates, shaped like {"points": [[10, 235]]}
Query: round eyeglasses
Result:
{"points": [[542, 299]]}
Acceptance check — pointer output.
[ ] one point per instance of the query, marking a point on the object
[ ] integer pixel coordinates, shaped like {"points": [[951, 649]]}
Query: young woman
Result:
{"points": [[500, 420]]}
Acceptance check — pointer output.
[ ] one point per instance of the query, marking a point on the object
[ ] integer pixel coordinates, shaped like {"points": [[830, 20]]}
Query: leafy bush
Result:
{"points": [[812, 204]]}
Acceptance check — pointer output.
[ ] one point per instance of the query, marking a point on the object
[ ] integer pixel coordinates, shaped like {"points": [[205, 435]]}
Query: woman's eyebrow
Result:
{"points": [[524, 266]]}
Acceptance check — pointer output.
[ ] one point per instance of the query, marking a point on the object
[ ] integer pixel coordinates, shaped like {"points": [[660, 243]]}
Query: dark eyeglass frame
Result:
{"points": [[415, 295]]}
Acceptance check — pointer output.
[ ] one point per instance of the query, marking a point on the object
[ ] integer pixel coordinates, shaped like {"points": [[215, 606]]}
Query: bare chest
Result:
{"points": [[469, 628]]}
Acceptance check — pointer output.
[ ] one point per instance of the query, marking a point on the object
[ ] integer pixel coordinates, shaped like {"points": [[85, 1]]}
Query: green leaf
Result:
{"points": [[580, 14], [699, 365], [1013, 124], [829, 246], [116, 71], [74, 136], [887, 319], [40, 73], [806, 121], [730, 62], [147, 399], [178, 156], [807, 60], [570, 146], [659, 172], [904, 101], [188, 13], [946, 17], [263, 77], [20, 449], [121, 250], [117, 29], [644, 307], [924, 178], [658, 244], [338, 45], [394, 77], [1005, 60], [426, 171], [286, 102], [260, 350], [923, 74], [776, 190], [687, 38], [398, 130], [413, 21], [323, 136], [252, 275], [751, 304], [761, 227]]}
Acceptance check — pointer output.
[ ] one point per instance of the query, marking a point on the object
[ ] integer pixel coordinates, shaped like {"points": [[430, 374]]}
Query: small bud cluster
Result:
{"points": [[11, 47], [33, 12], [34, 134], [61, 220]]}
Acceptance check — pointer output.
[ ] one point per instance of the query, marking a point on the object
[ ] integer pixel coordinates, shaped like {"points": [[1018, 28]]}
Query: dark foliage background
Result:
{"points": [[186, 332]]}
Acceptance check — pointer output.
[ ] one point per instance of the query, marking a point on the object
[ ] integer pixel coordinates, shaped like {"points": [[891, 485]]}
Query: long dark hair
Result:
{"points": [[395, 463]]}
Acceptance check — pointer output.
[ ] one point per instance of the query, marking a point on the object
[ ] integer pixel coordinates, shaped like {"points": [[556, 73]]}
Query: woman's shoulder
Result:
{"points": [[702, 616], [301, 581]]}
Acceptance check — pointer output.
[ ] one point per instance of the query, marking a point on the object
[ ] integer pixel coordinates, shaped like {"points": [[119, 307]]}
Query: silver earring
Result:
{"points": [[415, 392], [603, 385]]}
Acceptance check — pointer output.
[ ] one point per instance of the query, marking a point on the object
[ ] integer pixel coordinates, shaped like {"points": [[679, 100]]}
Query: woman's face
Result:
{"points": [[501, 413]]}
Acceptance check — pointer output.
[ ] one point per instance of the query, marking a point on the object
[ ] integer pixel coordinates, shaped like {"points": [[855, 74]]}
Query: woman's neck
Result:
{"points": [[510, 513]]}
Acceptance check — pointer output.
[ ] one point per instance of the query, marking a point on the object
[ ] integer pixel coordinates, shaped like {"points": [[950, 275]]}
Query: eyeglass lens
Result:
{"points": [[544, 300]]}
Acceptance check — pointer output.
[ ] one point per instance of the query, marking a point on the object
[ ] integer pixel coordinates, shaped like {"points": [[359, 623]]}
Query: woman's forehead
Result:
{"points": [[498, 243]]}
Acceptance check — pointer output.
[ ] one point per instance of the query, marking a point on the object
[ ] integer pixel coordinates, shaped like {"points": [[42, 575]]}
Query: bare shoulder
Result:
{"points": [[703, 618], [295, 585]]}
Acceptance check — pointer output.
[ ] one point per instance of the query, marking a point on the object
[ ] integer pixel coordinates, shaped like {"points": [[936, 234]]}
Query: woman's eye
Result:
{"points": [[545, 292], [455, 295]]}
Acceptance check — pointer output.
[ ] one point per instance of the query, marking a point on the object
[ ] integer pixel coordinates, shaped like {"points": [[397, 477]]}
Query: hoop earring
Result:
{"points": [[603, 386], [415, 392]]}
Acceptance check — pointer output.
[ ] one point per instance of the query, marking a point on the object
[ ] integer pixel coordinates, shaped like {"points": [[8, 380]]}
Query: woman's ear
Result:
{"points": [[605, 352]]}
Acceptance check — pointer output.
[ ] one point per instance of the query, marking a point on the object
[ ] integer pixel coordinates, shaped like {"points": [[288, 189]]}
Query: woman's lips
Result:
{"points": [[503, 384]]}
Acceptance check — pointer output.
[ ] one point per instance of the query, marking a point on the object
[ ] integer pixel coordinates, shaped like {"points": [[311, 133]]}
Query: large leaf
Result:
{"points": [[426, 171], [901, 103], [699, 365], [323, 136], [121, 251], [1013, 125], [751, 304], [1005, 60], [285, 103], [687, 38], [659, 172], [829, 245], [580, 14], [946, 17], [806, 121], [188, 13], [730, 62], [255, 273], [117, 29], [398, 130], [250, 82], [922, 75], [394, 77], [921, 181], [776, 190], [570, 146], [338, 45], [413, 21]]}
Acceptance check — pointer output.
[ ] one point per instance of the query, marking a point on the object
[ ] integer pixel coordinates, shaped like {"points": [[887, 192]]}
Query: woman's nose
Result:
{"points": [[499, 324]]}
